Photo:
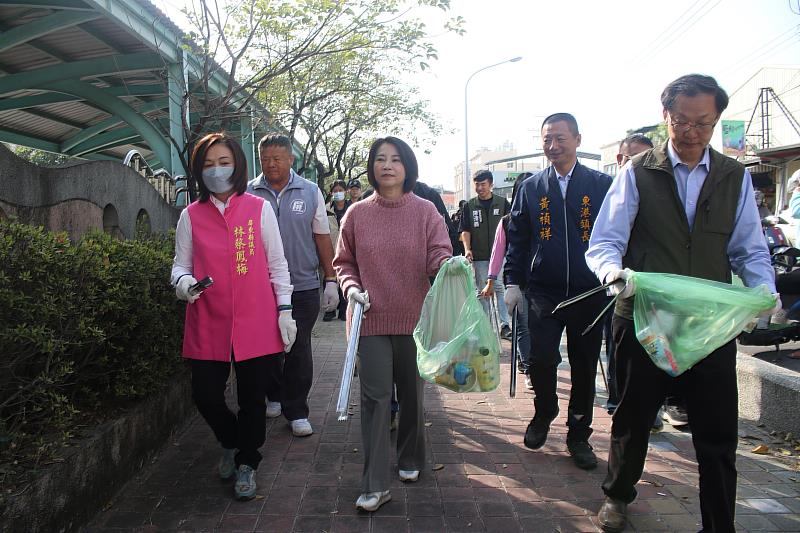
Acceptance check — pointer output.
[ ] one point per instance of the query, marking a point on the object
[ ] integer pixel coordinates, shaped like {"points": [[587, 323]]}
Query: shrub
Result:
{"points": [[84, 328]]}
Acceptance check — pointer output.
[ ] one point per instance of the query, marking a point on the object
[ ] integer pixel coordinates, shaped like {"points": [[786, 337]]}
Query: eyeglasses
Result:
{"points": [[683, 127]]}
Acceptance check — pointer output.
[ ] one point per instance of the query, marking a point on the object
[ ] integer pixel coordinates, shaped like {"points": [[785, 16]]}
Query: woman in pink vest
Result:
{"points": [[245, 316], [389, 246]]}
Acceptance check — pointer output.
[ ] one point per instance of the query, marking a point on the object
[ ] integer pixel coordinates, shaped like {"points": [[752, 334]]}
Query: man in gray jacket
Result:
{"points": [[305, 232]]}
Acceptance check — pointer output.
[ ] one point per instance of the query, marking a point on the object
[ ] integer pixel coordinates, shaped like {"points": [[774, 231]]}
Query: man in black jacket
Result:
{"points": [[547, 236]]}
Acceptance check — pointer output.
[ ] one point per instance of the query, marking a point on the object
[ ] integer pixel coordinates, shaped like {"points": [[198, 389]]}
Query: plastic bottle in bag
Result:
{"points": [[487, 377], [657, 346]]}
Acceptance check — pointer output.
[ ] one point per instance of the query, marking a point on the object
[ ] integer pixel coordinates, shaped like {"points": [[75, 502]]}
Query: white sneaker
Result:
{"points": [[409, 475], [301, 427], [273, 409], [371, 501]]}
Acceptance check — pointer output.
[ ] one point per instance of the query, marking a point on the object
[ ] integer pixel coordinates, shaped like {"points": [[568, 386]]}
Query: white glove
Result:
{"points": [[451, 262], [626, 289], [330, 296], [288, 329], [770, 312], [355, 295], [512, 297], [182, 289]]}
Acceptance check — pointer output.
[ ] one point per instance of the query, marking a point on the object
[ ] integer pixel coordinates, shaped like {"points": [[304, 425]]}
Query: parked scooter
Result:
{"points": [[786, 262]]}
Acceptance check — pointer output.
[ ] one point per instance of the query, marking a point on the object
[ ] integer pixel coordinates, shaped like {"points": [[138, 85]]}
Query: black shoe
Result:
{"points": [[582, 454], [329, 315], [342, 316], [522, 368], [536, 434], [612, 515], [676, 415], [505, 332]]}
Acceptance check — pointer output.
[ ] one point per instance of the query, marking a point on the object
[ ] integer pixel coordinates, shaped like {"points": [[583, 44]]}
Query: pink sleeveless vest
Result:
{"points": [[238, 311]]}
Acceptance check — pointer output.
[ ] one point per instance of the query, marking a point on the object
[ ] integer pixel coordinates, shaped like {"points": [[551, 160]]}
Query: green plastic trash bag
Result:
{"points": [[456, 347], [680, 320]]}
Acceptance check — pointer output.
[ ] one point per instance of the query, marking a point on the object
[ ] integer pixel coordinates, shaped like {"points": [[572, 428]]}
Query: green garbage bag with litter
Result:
{"points": [[456, 347], [680, 320]]}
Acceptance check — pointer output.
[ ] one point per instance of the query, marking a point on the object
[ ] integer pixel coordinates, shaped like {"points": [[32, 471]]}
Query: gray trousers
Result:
{"points": [[382, 360]]}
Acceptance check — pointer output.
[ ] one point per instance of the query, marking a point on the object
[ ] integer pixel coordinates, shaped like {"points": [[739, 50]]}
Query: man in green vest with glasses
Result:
{"points": [[680, 208], [479, 223]]}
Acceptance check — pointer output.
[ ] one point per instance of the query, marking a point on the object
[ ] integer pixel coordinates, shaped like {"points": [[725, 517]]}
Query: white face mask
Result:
{"points": [[217, 179], [338, 196]]}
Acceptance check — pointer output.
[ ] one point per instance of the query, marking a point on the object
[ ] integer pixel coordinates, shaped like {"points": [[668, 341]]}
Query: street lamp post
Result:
{"points": [[466, 131]]}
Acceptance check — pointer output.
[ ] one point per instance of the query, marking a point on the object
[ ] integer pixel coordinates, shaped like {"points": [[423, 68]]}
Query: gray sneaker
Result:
{"points": [[227, 463], [245, 487]]}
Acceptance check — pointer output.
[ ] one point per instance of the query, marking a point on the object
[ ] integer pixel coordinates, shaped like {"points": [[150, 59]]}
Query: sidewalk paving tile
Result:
{"points": [[479, 475]]}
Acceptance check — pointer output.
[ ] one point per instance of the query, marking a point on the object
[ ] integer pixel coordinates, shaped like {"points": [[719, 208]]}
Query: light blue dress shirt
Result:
{"points": [[563, 181], [747, 248]]}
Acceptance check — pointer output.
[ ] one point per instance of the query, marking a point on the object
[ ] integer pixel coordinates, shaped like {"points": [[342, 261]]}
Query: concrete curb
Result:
{"points": [[65, 494], [768, 394]]}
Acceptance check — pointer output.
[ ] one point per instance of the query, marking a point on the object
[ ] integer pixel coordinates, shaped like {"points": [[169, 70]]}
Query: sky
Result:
{"points": [[606, 62]]}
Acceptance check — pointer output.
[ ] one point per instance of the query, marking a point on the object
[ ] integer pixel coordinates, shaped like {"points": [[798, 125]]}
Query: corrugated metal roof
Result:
{"points": [[108, 35], [33, 126]]}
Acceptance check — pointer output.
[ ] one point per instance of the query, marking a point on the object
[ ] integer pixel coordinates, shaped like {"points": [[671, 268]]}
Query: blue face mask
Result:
{"points": [[217, 179]]}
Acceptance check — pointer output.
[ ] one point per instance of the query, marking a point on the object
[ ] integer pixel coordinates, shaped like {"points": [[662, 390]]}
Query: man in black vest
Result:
{"points": [[679, 208], [551, 221], [479, 223]]}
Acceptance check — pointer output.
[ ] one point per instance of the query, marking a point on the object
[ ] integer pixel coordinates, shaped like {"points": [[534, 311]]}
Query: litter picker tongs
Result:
{"points": [[513, 381], [587, 294], [349, 362]]}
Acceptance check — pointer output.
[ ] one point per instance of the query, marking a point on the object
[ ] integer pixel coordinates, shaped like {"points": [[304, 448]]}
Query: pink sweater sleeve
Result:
{"points": [[344, 261], [439, 246], [498, 252]]}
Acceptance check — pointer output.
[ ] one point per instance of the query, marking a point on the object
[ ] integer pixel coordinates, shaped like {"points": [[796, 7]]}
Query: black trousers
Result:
{"points": [[710, 392], [613, 396], [291, 382], [246, 429], [583, 352]]}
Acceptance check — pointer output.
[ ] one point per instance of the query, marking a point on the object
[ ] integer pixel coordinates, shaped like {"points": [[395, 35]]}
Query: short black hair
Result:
{"points": [[338, 183], [482, 175], [691, 85], [640, 138], [198, 159], [275, 139], [407, 157], [572, 124]]}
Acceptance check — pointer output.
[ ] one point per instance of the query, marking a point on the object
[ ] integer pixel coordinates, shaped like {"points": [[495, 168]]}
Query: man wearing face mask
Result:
{"points": [[305, 232]]}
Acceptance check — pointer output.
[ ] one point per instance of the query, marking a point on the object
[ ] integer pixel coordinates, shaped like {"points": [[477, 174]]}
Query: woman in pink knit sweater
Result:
{"points": [[389, 245]]}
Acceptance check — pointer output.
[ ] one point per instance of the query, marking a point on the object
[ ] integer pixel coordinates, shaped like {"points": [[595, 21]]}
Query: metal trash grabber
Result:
{"points": [[494, 317], [349, 362], [605, 310], [513, 381]]}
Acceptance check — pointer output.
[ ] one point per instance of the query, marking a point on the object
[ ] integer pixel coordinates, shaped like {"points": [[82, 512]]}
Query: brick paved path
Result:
{"points": [[479, 477]]}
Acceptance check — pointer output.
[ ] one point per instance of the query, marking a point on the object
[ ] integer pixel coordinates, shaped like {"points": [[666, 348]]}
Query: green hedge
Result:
{"points": [[84, 328]]}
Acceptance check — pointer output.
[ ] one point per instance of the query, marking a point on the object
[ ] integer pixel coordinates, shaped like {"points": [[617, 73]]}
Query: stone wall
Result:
{"points": [[95, 195], [64, 494]]}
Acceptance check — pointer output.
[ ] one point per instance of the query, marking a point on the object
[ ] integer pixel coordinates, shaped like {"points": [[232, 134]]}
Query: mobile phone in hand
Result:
{"points": [[201, 285]]}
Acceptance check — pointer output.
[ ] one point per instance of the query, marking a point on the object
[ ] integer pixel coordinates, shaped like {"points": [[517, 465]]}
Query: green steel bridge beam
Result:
{"points": [[114, 106], [43, 26], [24, 140], [107, 124], [48, 4], [23, 102], [35, 79], [106, 140]]}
